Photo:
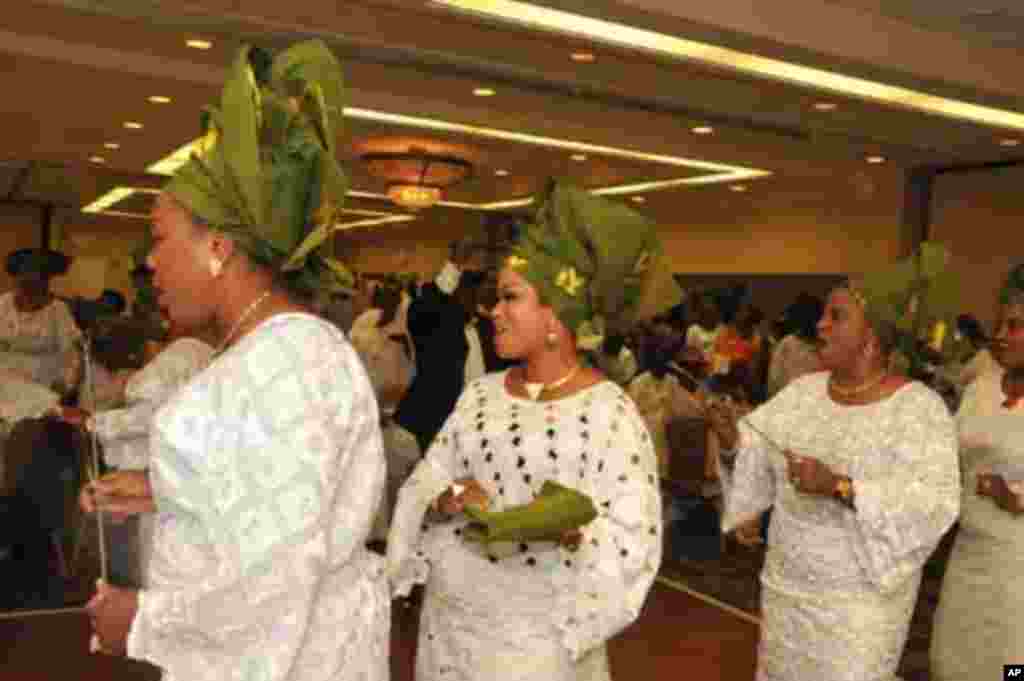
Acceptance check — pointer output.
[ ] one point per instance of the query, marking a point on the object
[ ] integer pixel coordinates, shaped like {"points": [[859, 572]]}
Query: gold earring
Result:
{"points": [[551, 340], [215, 267]]}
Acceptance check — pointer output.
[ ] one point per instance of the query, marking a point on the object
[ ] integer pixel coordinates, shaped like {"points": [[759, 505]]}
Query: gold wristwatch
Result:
{"points": [[843, 490]]}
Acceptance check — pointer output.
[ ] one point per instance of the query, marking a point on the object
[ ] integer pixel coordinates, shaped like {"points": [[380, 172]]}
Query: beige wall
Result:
{"points": [[19, 228], [818, 225], [980, 215]]}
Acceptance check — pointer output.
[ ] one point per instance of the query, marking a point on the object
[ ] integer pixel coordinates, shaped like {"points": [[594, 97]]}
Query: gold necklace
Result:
{"points": [[535, 390], [241, 320], [857, 389]]}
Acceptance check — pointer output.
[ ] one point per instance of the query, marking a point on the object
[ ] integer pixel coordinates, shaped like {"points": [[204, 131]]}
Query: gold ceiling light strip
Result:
{"points": [[103, 206], [608, 32]]}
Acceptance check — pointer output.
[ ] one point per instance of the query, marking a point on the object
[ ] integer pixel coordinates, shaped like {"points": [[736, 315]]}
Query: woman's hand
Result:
{"points": [[809, 475], [995, 486], [121, 494], [112, 611], [748, 534], [464, 492], [73, 415]]}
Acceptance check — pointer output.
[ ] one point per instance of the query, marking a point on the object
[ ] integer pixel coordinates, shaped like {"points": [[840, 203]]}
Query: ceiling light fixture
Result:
{"points": [[738, 188], [638, 199], [415, 177], [825, 106], [1009, 142], [583, 57], [484, 92], [579, 158], [623, 35], [111, 145], [160, 99], [702, 130], [501, 172], [197, 44], [133, 125], [875, 160], [97, 159]]}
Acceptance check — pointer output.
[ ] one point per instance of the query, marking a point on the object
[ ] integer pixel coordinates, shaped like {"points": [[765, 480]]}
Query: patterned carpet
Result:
{"points": [[731, 574]]}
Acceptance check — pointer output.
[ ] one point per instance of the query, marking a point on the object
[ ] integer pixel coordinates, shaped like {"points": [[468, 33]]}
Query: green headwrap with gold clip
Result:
{"points": [[597, 262], [1013, 287], [267, 171], [915, 300]]}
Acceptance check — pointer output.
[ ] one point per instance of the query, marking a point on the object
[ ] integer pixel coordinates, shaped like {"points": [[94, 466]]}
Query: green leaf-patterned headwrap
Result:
{"points": [[1013, 287], [916, 298], [267, 171], [598, 263]]}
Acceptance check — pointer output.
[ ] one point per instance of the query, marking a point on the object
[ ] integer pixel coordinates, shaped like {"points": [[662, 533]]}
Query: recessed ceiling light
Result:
{"points": [[825, 106], [1009, 142], [198, 44], [875, 160], [702, 130], [738, 188], [484, 92], [133, 125], [579, 157], [590, 30], [583, 57], [638, 199], [501, 172], [97, 159], [160, 99], [111, 145]]}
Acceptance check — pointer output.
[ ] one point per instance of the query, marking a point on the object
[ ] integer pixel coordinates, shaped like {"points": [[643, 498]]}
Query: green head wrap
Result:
{"points": [[266, 172], [1013, 288], [598, 263], [915, 300]]}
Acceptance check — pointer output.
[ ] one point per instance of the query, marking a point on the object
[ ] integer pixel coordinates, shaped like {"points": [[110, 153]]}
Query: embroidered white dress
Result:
{"points": [[839, 586], [530, 612], [266, 471], [978, 624]]}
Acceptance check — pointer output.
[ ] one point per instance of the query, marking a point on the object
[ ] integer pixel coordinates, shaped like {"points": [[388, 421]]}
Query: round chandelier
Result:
{"points": [[416, 177]]}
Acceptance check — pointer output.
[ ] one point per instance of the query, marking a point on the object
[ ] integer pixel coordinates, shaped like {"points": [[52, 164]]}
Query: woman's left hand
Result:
{"points": [[112, 611], [809, 475]]}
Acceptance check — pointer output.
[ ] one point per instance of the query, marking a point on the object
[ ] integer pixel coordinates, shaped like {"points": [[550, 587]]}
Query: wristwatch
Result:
{"points": [[843, 491]]}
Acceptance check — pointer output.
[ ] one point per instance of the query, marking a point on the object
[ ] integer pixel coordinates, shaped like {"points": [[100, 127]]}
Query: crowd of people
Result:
{"points": [[295, 454]]}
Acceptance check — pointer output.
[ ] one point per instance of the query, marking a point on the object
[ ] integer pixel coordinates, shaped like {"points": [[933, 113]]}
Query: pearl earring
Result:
{"points": [[551, 340], [215, 267]]}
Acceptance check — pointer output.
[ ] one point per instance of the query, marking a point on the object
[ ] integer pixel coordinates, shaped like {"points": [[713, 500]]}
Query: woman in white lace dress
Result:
{"points": [[978, 624], [266, 469], [860, 468], [538, 611]]}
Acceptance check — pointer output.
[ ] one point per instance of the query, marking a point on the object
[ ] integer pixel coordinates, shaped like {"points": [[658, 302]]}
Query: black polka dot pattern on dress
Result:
{"points": [[520, 462]]}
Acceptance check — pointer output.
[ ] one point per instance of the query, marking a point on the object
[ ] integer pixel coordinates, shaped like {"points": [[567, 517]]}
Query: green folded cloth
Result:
{"points": [[555, 511]]}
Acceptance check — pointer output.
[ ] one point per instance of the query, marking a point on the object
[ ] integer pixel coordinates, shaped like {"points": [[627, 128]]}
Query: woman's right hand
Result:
{"points": [[121, 493], [464, 492]]}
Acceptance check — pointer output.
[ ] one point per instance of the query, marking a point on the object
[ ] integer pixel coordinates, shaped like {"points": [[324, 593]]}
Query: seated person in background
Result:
{"points": [[797, 352], [39, 359], [659, 394]]}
